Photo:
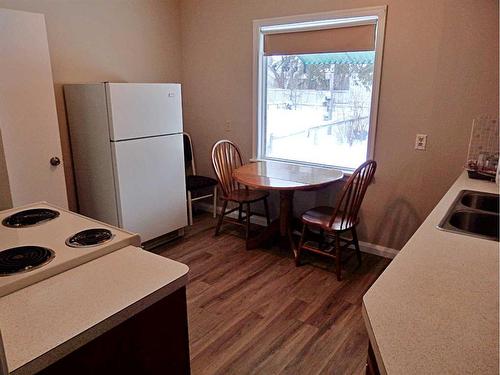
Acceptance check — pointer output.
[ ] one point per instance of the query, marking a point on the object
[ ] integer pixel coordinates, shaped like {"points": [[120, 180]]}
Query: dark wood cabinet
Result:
{"points": [[154, 341]]}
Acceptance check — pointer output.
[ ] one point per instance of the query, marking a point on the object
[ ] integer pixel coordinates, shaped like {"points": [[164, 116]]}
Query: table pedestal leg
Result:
{"points": [[286, 214], [279, 229]]}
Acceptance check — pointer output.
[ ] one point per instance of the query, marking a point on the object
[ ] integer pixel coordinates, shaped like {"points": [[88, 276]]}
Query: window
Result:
{"points": [[316, 87]]}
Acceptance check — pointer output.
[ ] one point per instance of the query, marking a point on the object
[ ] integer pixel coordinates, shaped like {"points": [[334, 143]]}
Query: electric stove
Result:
{"points": [[40, 240]]}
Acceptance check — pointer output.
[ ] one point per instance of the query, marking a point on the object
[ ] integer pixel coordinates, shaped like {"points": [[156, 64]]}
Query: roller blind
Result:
{"points": [[339, 39]]}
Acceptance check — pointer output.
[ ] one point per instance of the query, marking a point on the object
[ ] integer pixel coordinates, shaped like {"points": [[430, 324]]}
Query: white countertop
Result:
{"points": [[47, 320], [435, 310]]}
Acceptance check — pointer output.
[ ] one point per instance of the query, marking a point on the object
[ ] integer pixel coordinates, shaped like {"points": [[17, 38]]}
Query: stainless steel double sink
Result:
{"points": [[473, 213]]}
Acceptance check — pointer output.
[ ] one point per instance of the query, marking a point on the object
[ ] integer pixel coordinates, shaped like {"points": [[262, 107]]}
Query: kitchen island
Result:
{"points": [[123, 311], [434, 310]]}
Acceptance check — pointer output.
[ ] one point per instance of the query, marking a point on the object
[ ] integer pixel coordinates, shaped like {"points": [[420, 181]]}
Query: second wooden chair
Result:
{"points": [[339, 219], [226, 157]]}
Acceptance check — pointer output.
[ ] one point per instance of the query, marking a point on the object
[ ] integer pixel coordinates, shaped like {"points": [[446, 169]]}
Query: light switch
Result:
{"points": [[421, 142]]}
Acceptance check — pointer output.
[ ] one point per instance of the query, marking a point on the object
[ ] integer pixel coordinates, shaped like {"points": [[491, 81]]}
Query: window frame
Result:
{"points": [[316, 21]]}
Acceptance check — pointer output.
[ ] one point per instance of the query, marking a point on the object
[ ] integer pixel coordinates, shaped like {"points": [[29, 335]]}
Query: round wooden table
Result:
{"points": [[286, 178]]}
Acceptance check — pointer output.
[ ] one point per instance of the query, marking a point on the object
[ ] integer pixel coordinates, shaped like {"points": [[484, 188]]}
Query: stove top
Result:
{"points": [[23, 259], [30, 217], [39, 240], [90, 237]]}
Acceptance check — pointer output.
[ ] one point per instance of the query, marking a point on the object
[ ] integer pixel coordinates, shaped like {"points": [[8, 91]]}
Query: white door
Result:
{"points": [[139, 110], [28, 119], [150, 185]]}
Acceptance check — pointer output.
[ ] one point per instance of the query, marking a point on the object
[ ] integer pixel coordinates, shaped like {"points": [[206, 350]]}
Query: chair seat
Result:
{"points": [[246, 195], [320, 216], [199, 182]]}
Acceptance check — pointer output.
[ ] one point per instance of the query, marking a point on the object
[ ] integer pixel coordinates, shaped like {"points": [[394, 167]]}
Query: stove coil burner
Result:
{"points": [[23, 259], [28, 218], [90, 237]]}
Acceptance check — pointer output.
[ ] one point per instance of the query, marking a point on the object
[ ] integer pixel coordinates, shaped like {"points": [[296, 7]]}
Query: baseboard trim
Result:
{"points": [[366, 247], [371, 248]]}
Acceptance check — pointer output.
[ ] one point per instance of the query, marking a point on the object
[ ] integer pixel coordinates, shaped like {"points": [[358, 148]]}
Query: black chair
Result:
{"points": [[195, 183]]}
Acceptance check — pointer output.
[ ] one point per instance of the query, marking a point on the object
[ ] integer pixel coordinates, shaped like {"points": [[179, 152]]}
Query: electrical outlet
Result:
{"points": [[227, 126], [421, 142]]}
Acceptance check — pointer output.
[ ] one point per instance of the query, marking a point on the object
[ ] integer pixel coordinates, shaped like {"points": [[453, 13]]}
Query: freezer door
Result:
{"points": [[139, 110], [150, 184]]}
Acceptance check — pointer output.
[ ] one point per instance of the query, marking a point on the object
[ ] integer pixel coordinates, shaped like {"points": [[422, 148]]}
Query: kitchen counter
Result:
{"points": [[434, 310], [48, 320]]}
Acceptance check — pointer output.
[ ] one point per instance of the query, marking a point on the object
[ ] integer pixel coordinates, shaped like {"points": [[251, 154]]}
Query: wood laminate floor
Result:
{"points": [[254, 312]]}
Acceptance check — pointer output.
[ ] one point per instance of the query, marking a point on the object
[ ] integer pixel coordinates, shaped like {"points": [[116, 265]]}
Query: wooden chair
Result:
{"points": [[196, 183], [226, 158], [334, 221]]}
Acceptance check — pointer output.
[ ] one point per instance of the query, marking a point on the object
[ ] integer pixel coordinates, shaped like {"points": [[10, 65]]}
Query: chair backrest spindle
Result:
{"points": [[226, 157], [353, 192]]}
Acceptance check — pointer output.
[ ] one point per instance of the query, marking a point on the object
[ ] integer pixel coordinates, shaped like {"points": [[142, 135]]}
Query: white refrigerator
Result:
{"points": [[128, 157]]}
